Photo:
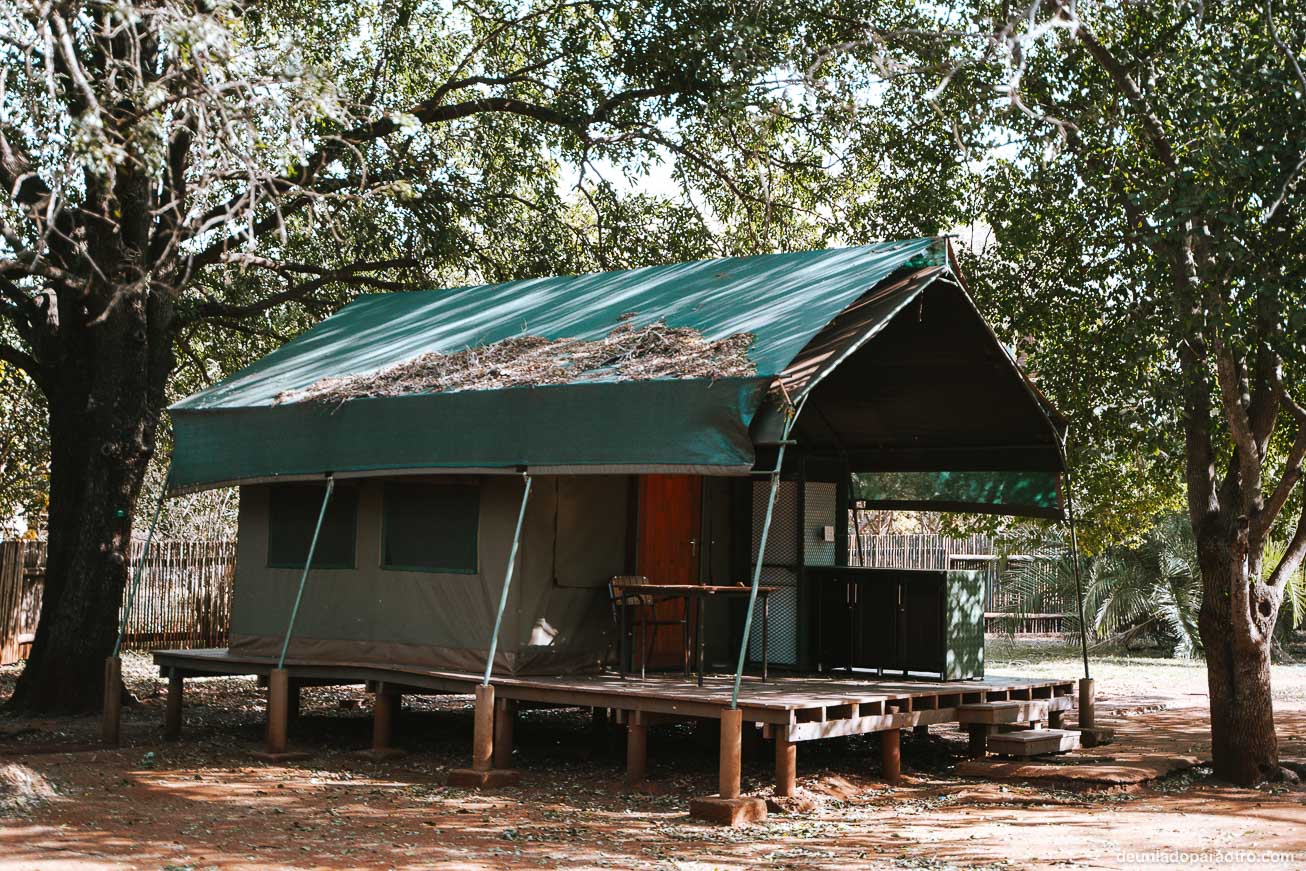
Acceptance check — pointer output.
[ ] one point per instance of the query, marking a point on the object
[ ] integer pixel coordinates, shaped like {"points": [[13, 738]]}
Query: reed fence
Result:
{"points": [[1003, 611], [184, 598]]}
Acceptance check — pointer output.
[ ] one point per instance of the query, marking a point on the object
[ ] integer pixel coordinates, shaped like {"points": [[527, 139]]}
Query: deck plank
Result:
{"points": [[775, 701]]}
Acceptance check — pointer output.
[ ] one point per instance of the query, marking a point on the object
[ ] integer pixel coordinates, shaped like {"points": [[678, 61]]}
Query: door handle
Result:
{"points": [[693, 547]]}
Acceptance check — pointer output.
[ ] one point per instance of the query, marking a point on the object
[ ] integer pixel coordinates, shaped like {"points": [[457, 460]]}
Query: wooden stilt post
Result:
{"points": [[112, 701], [292, 702], [278, 711], [483, 729], [636, 748], [505, 714], [732, 720], [891, 755], [728, 806], [752, 742], [172, 713], [385, 707], [1087, 703], [1056, 719], [786, 764], [979, 740]]}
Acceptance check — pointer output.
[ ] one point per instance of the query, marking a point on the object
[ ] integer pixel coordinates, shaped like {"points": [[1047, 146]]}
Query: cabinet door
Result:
{"points": [[877, 618], [834, 606], [922, 624]]}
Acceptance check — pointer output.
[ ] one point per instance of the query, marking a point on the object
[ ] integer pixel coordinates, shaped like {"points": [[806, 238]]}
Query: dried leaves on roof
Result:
{"points": [[628, 353]]}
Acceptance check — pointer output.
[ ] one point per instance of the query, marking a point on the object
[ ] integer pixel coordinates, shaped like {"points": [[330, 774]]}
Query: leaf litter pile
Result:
{"points": [[628, 353]]}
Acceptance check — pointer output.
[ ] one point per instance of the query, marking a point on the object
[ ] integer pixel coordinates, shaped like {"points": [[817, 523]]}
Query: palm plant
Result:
{"points": [[1151, 589]]}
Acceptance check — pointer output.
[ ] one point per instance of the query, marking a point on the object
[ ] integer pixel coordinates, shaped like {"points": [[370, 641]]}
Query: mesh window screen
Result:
{"points": [[778, 570], [430, 527], [819, 513], [292, 516]]}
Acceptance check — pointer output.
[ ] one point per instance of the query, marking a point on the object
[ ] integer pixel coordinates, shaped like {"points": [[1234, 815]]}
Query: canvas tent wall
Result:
{"points": [[361, 610]]}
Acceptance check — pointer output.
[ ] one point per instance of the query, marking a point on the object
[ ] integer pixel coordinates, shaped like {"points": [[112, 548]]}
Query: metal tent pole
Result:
{"points": [[1074, 561], [111, 717], [303, 578], [1087, 689], [507, 581], [761, 551], [491, 745], [140, 566]]}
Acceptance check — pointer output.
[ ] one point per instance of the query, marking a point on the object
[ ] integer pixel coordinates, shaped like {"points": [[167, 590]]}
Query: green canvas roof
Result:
{"points": [[809, 312], [783, 299]]}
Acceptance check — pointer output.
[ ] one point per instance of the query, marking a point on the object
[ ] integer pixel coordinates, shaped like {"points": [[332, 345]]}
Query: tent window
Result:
{"points": [[292, 516], [430, 527]]}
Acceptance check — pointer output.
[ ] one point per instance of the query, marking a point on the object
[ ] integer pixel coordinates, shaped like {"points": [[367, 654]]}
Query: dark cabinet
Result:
{"points": [[909, 622]]}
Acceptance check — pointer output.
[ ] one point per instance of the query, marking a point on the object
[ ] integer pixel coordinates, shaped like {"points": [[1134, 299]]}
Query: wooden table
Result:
{"points": [[700, 593]]}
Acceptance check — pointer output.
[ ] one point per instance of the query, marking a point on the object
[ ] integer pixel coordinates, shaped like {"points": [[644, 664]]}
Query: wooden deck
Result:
{"points": [[792, 708]]}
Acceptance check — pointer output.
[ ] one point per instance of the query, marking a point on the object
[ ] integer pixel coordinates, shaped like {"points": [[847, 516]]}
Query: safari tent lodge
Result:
{"points": [[619, 491]]}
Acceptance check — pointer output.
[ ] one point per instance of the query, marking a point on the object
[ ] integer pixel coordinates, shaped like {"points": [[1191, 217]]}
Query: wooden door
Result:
{"points": [[877, 621], [922, 618], [834, 604], [670, 521]]}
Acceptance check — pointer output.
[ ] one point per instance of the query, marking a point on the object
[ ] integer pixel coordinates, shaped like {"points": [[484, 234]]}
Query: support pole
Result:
{"points": [[636, 748], [728, 806], [757, 576], [140, 568], [172, 714], [486, 750], [786, 764], [891, 756], [303, 578], [385, 707], [483, 729], [1087, 690], [507, 581], [732, 722], [1074, 563], [505, 715], [278, 711], [1087, 704], [111, 717], [791, 416]]}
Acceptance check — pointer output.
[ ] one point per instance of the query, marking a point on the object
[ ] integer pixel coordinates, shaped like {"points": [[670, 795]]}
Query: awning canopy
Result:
{"points": [[824, 326]]}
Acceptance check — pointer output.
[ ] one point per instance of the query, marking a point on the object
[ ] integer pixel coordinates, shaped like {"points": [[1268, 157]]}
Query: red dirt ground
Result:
{"points": [[204, 803]]}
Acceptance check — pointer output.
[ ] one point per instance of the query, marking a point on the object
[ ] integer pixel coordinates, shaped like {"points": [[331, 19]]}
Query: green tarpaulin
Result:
{"points": [[1031, 492], [235, 432], [879, 341]]}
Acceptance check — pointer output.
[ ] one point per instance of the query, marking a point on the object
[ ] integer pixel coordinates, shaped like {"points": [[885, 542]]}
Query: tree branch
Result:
{"points": [[23, 361], [212, 309], [1124, 81], [1292, 470]]}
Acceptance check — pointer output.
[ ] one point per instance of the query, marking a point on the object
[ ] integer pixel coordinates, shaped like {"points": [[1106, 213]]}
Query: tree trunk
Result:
{"points": [[1244, 747], [105, 386]]}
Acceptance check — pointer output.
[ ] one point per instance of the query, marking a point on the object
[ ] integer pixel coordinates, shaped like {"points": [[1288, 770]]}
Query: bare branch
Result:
{"points": [[23, 361], [1292, 556], [1292, 470], [1119, 73], [302, 292], [1294, 172]]}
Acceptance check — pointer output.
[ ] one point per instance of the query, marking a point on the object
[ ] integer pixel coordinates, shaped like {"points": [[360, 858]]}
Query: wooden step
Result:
{"points": [[1034, 742], [994, 713]]}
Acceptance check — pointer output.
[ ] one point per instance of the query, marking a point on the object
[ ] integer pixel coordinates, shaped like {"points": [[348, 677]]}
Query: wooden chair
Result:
{"points": [[644, 608]]}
